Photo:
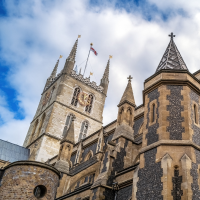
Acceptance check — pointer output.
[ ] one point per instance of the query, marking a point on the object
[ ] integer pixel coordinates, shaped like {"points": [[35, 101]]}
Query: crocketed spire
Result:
{"points": [[172, 58], [128, 94], [72, 54], [53, 74], [106, 72], [105, 79]]}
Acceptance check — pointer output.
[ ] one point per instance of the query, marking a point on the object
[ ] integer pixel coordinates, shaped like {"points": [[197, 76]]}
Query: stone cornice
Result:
{"points": [[126, 101], [170, 143], [34, 163], [44, 134]]}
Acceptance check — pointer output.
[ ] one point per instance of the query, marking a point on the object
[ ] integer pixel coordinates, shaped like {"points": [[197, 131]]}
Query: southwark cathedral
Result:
{"points": [[150, 152]]}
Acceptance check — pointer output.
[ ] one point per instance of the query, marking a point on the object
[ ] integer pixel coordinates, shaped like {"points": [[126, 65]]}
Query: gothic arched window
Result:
{"points": [[68, 122], [84, 129], [88, 108], [129, 113], [75, 96], [120, 115]]}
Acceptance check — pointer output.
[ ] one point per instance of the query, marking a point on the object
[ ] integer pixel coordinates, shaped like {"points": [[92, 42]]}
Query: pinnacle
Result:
{"points": [[69, 135], [128, 94], [172, 58], [106, 72], [53, 74], [72, 54]]}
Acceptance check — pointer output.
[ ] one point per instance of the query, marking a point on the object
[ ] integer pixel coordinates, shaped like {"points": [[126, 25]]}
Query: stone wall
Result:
{"points": [[20, 180]]}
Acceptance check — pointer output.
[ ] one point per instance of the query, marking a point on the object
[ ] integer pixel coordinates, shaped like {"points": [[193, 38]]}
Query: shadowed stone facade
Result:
{"points": [[150, 152]]}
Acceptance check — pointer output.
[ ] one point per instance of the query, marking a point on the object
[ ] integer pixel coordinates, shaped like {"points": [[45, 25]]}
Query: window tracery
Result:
{"points": [[74, 101], [83, 131], [88, 108], [68, 122]]}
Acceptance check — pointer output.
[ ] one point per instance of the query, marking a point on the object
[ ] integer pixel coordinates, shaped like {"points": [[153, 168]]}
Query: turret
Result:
{"points": [[125, 114], [105, 79]]}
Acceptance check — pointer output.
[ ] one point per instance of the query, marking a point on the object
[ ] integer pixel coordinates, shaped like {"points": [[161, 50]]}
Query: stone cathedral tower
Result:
{"points": [[65, 96]]}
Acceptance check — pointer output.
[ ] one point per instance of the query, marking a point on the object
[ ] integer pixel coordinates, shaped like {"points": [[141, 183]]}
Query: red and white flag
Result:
{"points": [[93, 51]]}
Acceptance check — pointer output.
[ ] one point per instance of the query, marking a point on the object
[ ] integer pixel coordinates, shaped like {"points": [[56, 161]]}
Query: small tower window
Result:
{"points": [[68, 122], [88, 108], [129, 113], [120, 115], [75, 96], [195, 114], [153, 112], [84, 129], [33, 132]]}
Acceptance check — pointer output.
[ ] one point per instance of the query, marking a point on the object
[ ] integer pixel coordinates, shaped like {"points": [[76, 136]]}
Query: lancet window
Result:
{"points": [[75, 96], [129, 113], [84, 129], [120, 115], [195, 114], [88, 108], [153, 112], [68, 122]]}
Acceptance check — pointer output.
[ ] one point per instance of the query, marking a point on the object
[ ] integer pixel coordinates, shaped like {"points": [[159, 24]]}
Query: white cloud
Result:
{"points": [[35, 34]]}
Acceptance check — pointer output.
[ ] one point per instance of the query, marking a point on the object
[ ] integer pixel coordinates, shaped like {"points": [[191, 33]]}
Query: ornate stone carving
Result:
{"points": [[86, 81], [175, 108]]}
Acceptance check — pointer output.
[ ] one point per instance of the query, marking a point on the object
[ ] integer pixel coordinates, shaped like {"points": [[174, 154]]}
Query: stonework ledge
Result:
{"points": [[34, 163], [170, 142]]}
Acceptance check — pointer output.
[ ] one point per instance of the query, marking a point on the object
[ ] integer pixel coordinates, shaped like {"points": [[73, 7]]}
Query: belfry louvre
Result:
{"points": [[150, 152]]}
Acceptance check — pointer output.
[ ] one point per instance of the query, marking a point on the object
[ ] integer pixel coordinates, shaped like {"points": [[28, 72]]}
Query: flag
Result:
{"points": [[93, 51], [110, 56], [91, 73], [79, 36]]}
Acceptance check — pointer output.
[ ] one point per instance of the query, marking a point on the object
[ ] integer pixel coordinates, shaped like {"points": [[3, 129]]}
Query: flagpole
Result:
{"points": [[87, 59]]}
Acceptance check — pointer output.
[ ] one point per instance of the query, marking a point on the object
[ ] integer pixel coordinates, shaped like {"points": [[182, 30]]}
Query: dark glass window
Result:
{"points": [[88, 108], [75, 97]]}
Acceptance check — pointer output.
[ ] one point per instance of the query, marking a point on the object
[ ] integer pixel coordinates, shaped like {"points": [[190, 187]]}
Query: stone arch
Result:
{"points": [[88, 155]]}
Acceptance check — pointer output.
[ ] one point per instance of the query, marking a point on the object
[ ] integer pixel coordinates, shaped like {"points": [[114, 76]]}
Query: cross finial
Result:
{"points": [[129, 78], [172, 35]]}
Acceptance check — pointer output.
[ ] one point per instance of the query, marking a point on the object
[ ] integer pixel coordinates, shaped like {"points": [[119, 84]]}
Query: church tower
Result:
{"points": [[65, 96]]}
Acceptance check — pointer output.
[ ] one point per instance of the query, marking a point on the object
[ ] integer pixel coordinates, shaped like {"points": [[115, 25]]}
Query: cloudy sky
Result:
{"points": [[34, 33]]}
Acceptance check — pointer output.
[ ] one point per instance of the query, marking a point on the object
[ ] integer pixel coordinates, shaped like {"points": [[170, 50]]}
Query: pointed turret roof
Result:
{"points": [[172, 58], [69, 135], [72, 54], [106, 72], [128, 94], [53, 73]]}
